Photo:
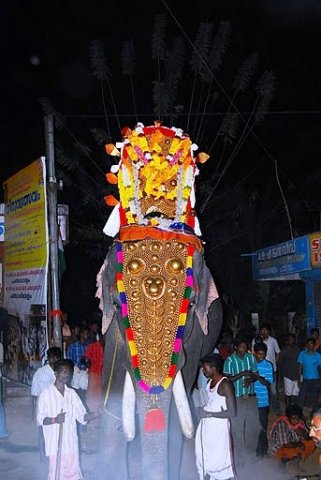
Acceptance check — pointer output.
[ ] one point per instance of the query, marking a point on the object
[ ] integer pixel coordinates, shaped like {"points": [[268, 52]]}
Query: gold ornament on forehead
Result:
{"points": [[154, 280]]}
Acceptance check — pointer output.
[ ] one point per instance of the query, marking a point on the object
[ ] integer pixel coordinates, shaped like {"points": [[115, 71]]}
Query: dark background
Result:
{"points": [[45, 53]]}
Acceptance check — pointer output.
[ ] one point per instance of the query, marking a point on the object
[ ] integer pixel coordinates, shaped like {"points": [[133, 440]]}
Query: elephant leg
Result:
{"points": [[135, 470], [175, 444], [113, 447], [112, 457]]}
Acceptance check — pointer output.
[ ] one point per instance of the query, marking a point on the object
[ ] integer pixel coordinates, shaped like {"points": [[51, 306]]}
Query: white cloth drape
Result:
{"points": [[213, 440]]}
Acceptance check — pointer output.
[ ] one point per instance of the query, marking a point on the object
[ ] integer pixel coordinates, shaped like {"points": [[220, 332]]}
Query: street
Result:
{"points": [[19, 457]]}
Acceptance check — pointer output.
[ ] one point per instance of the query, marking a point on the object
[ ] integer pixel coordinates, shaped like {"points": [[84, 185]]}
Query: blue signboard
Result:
{"points": [[1, 228], [282, 261]]}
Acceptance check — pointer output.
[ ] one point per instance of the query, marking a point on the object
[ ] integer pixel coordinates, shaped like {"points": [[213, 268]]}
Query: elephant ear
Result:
{"points": [[106, 287], [206, 291]]}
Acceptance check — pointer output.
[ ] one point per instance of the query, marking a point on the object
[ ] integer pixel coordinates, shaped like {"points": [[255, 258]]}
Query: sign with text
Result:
{"points": [[26, 242], [282, 261], [1, 222], [315, 248]]}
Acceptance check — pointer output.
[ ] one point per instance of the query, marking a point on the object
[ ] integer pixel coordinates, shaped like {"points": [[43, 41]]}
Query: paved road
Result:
{"points": [[19, 458]]}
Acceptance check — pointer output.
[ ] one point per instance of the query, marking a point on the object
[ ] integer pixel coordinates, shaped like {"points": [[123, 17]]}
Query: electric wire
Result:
{"points": [[220, 87]]}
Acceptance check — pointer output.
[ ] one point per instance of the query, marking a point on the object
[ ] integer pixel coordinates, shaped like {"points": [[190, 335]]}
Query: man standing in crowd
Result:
{"points": [[272, 356], [94, 355], [309, 362], [315, 428], [288, 369], [94, 331], [273, 348], [225, 346], [241, 369], [316, 335], [261, 388], [42, 379], [45, 376], [200, 397], [73, 337], [75, 353], [214, 426], [59, 408]]}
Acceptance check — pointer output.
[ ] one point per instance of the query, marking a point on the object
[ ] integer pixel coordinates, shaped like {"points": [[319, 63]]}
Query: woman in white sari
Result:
{"points": [[213, 446]]}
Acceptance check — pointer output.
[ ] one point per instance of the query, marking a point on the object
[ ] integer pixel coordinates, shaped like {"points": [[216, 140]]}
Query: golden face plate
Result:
{"points": [[154, 276]]}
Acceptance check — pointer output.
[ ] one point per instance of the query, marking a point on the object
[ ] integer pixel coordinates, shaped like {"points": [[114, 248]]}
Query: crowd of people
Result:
{"points": [[67, 392], [238, 387], [243, 389]]}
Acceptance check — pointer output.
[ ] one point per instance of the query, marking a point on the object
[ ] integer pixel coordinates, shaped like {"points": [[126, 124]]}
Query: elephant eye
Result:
{"points": [[116, 305]]}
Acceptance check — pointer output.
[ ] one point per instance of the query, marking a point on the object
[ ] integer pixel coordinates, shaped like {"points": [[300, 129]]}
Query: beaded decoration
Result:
{"points": [[177, 344]]}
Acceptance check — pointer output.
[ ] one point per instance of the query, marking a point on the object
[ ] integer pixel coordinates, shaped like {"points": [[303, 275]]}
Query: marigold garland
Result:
{"points": [[146, 167], [177, 344]]}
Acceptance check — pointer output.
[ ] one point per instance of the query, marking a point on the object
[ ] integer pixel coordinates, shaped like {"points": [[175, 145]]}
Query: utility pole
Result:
{"points": [[52, 188]]}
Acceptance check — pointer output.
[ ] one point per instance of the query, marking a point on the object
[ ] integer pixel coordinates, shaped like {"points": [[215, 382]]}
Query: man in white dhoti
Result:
{"points": [[58, 410], [213, 446]]}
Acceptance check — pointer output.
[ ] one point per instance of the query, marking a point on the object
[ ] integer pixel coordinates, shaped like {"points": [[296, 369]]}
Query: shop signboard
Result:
{"points": [[283, 261], [1, 222], [315, 248], [26, 256]]}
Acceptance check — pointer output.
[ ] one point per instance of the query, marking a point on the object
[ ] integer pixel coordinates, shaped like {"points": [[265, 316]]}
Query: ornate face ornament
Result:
{"points": [[155, 282]]}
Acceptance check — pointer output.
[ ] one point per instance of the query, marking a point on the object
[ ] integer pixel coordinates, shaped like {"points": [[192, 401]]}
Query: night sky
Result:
{"points": [[45, 53]]}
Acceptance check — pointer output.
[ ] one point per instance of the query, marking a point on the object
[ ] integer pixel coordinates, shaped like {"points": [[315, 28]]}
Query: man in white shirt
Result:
{"points": [[45, 376], [273, 348], [59, 409], [42, 379]]}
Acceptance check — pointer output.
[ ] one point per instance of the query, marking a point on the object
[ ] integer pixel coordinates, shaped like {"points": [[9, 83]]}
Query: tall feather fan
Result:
{"points": [[220, 45], [98, 59], [202, 44], [265, 88], [128, 67], [199, 57], [245, 73], [174, 64], [158, 37], [214, 61]]}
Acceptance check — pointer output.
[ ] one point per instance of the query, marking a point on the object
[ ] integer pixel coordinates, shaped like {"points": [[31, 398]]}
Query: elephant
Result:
{"points": [[161, 310], [125, 444]]}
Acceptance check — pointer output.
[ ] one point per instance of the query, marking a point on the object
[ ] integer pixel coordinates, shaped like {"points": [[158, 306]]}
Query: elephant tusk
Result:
{"points": [[128, 409], [182, 406]]}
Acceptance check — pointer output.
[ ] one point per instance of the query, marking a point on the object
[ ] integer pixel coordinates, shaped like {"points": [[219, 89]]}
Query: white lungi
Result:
{"points": [[213, 447]]}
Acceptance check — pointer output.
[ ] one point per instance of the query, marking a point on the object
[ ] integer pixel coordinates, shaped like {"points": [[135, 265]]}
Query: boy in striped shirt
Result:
{"points": [[261, 388]]}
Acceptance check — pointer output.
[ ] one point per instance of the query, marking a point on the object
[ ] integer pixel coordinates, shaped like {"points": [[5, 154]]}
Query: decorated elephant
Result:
{"points": [[161, 311]]}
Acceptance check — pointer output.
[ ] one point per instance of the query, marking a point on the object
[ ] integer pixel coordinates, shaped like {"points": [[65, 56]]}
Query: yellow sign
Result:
{"points": [[315, 249], [25, 219]]}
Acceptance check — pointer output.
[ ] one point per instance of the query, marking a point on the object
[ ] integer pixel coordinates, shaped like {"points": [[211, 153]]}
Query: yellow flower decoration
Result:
{"points": [[130, 218], [140, 141], [180, 144], [156, 172], [126, 191]]}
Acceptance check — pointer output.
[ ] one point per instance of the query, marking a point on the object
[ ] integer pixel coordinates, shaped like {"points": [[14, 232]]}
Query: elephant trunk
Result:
{"points": [[154, 441]]}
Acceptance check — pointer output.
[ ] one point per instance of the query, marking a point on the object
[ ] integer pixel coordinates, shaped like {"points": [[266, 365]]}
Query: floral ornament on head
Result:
{"points": [[156, 176]]}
